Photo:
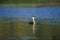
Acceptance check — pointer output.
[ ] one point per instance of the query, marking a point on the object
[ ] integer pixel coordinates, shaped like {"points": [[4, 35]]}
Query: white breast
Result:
{"points": [[33, 18]]}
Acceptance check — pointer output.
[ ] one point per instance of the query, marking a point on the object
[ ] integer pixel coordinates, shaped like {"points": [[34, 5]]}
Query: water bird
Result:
{"points": [[33, 21], [33, 26]]}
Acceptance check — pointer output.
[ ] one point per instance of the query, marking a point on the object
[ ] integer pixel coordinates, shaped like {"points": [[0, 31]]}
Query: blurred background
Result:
{"points": [[14, 23], [15, 16]]}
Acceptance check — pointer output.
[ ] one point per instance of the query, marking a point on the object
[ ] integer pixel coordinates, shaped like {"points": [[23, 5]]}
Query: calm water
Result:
{"points": [[21, 30], [28, 12]]}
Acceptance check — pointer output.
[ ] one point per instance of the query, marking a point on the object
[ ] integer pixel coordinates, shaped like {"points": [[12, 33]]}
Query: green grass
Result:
{"points": [[32, 3], [38, 4]]}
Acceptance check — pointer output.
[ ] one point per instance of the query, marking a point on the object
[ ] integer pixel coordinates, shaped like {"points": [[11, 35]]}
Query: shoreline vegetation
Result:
{"points": [[30, 3]]}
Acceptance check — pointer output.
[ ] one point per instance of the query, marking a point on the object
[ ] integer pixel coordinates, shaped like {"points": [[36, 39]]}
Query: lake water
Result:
{"points": [[28, 12], [21, 30]]}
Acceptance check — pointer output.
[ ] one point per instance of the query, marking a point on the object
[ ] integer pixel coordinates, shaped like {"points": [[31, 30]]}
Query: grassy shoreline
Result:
{"points": [[32, 5]]}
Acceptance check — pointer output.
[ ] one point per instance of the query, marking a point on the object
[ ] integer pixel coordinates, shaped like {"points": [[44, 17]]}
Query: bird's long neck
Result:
{"points": [[33, 20]]}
